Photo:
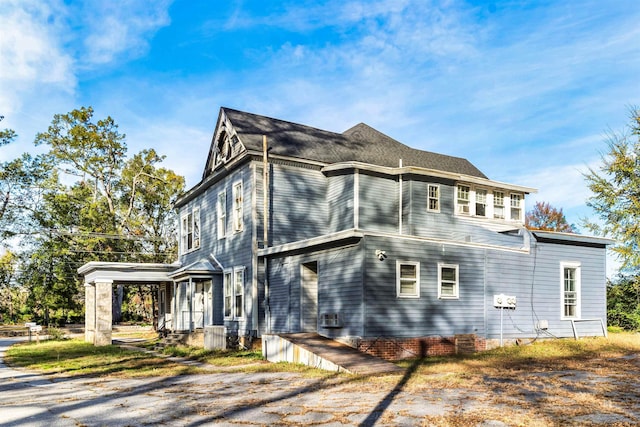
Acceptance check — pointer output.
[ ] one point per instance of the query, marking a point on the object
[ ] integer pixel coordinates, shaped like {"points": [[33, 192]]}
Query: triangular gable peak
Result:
{"points": [[225, 145]]}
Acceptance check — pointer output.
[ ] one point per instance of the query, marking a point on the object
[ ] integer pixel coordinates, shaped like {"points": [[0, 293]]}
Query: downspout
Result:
{"points": [[265, 226], [400, 199], [356, 199]]}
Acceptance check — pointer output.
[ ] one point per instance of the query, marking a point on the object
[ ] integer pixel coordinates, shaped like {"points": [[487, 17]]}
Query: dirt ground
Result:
{"points": [[598, 391]]}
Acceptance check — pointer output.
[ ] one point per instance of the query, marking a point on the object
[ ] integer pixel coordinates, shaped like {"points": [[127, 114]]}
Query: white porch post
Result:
{"points": [[89, 312], [191, 292], [174, 302], [104, 316]]}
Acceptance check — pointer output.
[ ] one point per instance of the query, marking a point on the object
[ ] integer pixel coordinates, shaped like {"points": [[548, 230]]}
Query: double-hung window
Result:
{"points": [[233, 289], [570, 281], [190, 231], [448, 281], [407, 279], [481, 202], [238, 220], [221, 208], [463, 199], [516, 207], [498, 204], [433, 204]]}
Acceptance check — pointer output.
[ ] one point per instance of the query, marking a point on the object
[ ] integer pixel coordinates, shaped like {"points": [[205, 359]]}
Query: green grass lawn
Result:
{"points": [[76, 357]]}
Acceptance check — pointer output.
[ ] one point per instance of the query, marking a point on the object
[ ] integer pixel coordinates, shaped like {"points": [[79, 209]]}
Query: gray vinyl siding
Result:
{"points": [[378, 203], [298, 208], [388, 315], [340, 198], [418, 221], [535, 280], [234, 250], [339, 290]]}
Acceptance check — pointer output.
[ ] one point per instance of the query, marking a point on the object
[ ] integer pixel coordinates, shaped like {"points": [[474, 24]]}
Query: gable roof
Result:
{"points": [[361, 143]]}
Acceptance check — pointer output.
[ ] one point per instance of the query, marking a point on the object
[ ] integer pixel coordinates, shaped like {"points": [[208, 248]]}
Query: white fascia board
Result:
{"points": [[429, 172], [314, 241]]}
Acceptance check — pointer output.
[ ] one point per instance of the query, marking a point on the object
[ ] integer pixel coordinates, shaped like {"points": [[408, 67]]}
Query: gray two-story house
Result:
{"points": [[358, 237]]}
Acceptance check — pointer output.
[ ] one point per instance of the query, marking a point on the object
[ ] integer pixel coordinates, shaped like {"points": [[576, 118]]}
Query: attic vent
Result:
{"points": [[330, 320]]}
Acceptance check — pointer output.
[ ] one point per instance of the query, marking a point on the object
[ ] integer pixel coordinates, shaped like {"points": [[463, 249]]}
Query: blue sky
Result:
{"points": [[527, 91]]}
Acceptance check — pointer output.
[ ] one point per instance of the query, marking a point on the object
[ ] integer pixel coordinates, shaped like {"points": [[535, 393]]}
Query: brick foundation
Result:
{"points": [[407, 348]]}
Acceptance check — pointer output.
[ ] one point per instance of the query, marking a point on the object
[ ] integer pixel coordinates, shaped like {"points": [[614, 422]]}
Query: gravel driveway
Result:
{"points": [[241, 399]]}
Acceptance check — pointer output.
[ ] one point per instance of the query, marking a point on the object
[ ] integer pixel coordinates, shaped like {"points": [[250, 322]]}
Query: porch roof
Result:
{"points": [[200, 268], [127, 272]]}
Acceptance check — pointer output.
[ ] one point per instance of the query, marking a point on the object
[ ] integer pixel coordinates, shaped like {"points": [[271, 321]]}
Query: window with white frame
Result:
{"points": [[433, 204], [570, 280], [481, 202], [238, 292], [448, 283], [233, 289], [516, 207], [222, 214], [498, 204], [190, 231], [228, 294], [463, 199], [407, 279], [238, 220]]}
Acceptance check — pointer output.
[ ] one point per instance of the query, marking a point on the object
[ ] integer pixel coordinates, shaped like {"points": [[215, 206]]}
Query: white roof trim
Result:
{"points": [[415, 170]]}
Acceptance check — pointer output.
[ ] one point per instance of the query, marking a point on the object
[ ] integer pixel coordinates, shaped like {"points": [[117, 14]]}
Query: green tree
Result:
{"points": [[623, 303], [545, 217], [616, 193], [115, 209]]}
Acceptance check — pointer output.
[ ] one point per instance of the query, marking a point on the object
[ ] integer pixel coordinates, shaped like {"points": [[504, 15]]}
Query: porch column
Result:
{"points": [[104, 295], [174, 304], [190, 304], [89, 312]]}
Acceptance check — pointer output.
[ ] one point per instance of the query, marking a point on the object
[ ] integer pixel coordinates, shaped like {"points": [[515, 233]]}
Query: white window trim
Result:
{"points": [[469, 200], [227, 273], [495, 205], [577, 266], [519, 207], [437, 187], [195, 224], [221, 215], [456, 293], [235, 215], [239, 271], [486, 202], [416, 294], [232, 274]]}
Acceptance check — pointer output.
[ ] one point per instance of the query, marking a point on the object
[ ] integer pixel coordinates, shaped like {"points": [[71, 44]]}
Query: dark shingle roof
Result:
{"points": [[361, 143]]}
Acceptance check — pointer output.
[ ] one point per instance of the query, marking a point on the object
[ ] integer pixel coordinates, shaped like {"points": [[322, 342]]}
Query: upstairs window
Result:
{"points": [[516, 207], [433, 204], [221, 208], [463, 199], [448, 285], [407, 279], [190, 231], [481, 202], [238, 219], [498, 204]]}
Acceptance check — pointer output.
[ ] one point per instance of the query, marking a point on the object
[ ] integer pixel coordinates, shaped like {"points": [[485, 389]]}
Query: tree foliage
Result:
{"points": [[87, 202], [616, 192], [623, 303], [545, 217]]}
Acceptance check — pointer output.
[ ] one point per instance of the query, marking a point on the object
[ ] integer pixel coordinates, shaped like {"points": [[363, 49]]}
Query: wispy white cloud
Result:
{"points": [[122, 28], [31, 51]]}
